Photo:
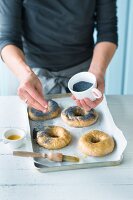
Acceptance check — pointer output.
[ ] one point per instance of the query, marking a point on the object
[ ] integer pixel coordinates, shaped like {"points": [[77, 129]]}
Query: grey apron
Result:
{"points": [[56, 82]]}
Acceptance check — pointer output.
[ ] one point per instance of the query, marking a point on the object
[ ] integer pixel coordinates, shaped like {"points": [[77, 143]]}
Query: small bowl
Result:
{"points": [[14, 137], [92, 93]]}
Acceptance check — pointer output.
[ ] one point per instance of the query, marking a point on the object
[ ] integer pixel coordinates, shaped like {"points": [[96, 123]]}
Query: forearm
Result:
{"points": [[14, 59], [30, 88], [102, 55]]}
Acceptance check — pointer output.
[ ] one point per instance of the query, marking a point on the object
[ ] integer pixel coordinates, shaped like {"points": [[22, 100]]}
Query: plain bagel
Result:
{"points": [[96, 143]]}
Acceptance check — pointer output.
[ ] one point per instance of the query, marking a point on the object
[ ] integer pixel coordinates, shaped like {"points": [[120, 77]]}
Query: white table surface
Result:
{"points": [[19, 179]]}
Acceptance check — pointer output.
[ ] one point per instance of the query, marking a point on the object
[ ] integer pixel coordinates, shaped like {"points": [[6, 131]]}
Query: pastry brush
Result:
{"points": [[57, 157]]}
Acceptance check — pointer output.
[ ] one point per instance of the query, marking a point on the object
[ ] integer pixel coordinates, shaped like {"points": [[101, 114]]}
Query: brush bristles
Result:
{"points": [[70, 158]]}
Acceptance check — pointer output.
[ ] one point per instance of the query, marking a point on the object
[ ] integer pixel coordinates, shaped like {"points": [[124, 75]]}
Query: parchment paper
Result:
{"points": [[105, 123]]}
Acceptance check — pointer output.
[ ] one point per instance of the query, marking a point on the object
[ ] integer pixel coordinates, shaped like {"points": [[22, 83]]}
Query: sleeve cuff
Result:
{"points": [[108, 38]]}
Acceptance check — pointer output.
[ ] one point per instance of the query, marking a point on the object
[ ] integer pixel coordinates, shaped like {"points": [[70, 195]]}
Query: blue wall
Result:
{"points": [[119, 75], [120, 71]]}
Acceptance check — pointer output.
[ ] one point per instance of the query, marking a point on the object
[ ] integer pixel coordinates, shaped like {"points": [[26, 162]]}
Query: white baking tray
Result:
{"points": [[104, 123]]}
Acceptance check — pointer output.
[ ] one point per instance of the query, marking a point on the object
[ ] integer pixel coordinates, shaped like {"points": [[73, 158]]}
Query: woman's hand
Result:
{"points": [[30, 90], [102, 55], [86, 103]]}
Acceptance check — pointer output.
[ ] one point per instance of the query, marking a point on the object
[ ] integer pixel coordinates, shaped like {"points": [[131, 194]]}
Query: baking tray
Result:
{"points": [[43, 168]]}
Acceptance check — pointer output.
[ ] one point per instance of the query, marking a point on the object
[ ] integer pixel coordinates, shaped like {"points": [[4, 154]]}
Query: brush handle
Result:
{"points": [[57, 157], [29, 154]]}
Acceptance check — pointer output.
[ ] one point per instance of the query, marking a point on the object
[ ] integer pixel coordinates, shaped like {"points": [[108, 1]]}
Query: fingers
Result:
{"points": [[86, 103], [36, 95], [76, 100], [91, 104], [24, 95], [73, 97], [78, 103], [31, 90]]}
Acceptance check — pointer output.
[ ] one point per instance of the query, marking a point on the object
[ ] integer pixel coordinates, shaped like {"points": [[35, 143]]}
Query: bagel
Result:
{"points": [[96, 143], [78, 117], [53, 111], [53, 137]]}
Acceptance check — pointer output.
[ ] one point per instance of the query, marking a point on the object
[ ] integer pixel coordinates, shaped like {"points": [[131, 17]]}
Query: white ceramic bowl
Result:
{"points": [[14, 143], [91, 93]]}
